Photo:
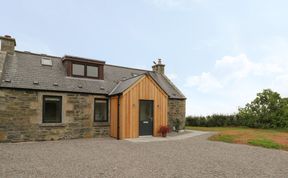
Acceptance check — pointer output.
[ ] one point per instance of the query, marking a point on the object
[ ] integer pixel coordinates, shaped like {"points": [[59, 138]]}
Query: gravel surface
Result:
{"points": [[191, 157]]}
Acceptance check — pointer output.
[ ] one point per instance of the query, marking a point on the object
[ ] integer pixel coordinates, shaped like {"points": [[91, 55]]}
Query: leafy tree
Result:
{"points": [[267, 110]]}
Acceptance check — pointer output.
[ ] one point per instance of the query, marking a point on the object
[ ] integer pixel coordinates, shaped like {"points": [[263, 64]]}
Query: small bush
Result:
{"points": [[177, 124]]}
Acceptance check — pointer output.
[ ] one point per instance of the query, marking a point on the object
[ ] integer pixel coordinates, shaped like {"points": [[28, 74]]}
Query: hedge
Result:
{"points": [[215, 120]]}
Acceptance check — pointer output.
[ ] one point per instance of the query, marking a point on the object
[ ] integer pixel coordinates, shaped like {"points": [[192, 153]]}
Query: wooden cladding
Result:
{"points": [[144, 89], [113, 116]]}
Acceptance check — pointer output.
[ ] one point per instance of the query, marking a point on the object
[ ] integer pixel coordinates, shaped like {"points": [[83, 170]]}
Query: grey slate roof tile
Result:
{"points": [[123, 85], [167, 85], [24, 68]]}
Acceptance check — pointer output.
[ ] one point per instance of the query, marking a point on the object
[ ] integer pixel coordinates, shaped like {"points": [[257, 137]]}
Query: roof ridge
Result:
{"points": [[133, 77], [112, 65], [54, 56], [82, 58], [37, 54]]}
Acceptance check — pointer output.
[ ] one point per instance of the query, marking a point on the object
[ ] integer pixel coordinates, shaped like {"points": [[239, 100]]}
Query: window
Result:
{"points": [[52, 110], [46, 61], [92, 71], [78, 69], [83, 67], [84, 70], [101, 110]]}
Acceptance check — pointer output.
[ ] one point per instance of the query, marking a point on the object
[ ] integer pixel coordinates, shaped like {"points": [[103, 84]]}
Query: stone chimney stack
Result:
{"points": [[7, 44], [159, 67]]}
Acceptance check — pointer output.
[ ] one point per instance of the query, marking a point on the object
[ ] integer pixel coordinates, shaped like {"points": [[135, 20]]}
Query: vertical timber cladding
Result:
{"points": [[113, 116], [144, 89]]}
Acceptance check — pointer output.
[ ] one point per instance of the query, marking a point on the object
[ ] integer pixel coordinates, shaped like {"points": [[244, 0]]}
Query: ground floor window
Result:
{"points": [[101, 110], [52, 109]]}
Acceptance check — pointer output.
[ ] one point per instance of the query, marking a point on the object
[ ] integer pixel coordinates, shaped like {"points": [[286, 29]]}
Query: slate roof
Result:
{"points": [[24, 70], [125, 84], [167, 85]]}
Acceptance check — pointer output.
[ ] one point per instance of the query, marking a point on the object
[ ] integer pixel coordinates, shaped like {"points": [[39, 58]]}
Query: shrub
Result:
{"points": [[215, 120], [196, 121], [177, 123]]}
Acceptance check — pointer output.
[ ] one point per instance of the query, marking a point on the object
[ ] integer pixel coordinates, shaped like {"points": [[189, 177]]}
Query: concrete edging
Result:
{"points": [[193, 133]]}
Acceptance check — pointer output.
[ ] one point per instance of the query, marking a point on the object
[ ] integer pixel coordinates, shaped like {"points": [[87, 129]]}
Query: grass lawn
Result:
{"points": [[268, 138]]}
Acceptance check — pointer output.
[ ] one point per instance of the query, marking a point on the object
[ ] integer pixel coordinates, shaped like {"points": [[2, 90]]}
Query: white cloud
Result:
{"points": [[237, 67], [234, 81], [204, 82], [231, 69]]}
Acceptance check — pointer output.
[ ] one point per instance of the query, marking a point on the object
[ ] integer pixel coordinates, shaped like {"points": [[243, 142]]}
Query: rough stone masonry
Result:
{"points": [[21, 117], [176, 111]]}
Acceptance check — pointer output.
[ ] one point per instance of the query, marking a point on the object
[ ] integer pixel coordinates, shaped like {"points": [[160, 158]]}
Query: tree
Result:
{"points": [[267, 110]]}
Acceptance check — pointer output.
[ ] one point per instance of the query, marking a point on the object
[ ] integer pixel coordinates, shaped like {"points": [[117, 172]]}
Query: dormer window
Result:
{"points": [[92, 71], [78, 70], [85, 68]]}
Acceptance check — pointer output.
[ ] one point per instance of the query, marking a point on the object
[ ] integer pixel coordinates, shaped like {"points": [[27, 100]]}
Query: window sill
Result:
{"points": [[52, 125], [101, 124]]}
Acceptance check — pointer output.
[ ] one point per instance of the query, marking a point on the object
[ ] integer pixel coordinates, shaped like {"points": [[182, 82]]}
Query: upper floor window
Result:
{"points": [[85, 70], [78, 69], [83, 67], [92, 71]]}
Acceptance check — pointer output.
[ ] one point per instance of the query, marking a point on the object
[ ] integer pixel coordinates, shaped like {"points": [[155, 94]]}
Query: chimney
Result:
{"points": [[7, 44], [158, 67]]}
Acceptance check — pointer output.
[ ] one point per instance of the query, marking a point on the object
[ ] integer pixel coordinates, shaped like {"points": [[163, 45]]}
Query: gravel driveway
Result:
{"points": [[192, 157]]}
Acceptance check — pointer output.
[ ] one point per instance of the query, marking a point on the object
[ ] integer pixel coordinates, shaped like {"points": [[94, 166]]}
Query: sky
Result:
{"points": [[218, 53]]}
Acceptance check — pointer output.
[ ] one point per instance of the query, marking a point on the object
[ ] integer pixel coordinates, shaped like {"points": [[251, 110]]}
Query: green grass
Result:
{"points": [[224, 138], [267, 138], [235, 128], [266, 143], [215, 128]]}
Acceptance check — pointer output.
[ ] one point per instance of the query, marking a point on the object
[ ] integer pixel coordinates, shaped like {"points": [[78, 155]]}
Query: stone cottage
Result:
{"points": [[44, 97]]}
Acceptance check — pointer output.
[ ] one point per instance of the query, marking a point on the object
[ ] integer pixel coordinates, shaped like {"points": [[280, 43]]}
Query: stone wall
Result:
{"points": [[7, 44], [176, 111], [2, 62], [21, 117]]}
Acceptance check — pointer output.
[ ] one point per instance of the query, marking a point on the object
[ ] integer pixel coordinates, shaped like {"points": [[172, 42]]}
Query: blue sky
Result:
{"points": [[219, 53]]}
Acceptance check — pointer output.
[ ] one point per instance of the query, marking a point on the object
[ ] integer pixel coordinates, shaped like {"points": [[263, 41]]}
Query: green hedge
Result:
{"points": [[267, 110], [216, 120]]}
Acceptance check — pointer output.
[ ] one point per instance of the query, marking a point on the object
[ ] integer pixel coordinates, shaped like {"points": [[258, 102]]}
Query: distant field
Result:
{"points": [[267, 138]]}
